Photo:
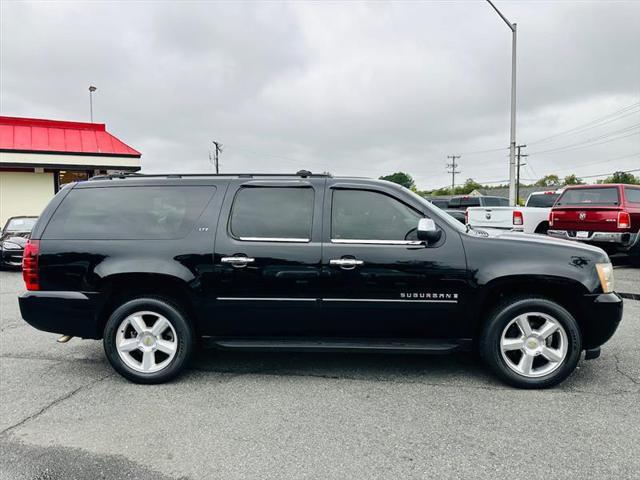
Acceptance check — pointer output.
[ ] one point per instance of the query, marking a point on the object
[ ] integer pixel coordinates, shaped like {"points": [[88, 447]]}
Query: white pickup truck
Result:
{"points": [[532, 218]]}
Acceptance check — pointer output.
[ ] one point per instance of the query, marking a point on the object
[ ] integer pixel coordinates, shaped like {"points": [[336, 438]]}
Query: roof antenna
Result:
{"points": [[304, 173]]}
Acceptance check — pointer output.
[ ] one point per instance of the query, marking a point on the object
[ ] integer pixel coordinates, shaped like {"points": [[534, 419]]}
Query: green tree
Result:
{"points": [[573, 180], [623, 177], [548, 180], [401, 178]]}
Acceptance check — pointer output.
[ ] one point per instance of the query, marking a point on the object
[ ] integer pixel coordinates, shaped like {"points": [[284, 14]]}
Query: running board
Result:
{"points": [[370, 345]]}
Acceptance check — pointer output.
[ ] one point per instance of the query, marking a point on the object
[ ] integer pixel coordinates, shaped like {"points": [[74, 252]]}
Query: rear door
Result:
{"points": [[267, 258], [378, 279]]}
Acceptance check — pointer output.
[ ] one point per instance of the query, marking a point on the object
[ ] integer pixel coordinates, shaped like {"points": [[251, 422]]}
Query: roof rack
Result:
{"points": [[122, 175]]}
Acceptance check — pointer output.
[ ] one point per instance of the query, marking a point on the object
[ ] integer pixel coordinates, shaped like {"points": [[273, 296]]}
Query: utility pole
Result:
{"points": [[512, 136], [218, 149], [453, 171], [91, 90], [519, 156]]}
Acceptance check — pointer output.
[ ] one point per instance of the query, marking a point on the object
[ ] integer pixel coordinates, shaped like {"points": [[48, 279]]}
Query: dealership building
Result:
{"points": [[38, 156]]}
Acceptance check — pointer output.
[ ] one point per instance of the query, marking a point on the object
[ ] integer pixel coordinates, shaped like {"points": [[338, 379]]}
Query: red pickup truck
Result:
{"points": [[605, 215]]}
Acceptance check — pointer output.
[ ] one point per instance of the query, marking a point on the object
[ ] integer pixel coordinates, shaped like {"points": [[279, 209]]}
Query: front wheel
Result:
{"points": [[531, 343], [148, 340]]}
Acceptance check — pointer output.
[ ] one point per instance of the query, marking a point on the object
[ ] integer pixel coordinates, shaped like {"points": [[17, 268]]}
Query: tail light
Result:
{"points": [[30, 265], [624, 220], [517, 217], [551, 219]]}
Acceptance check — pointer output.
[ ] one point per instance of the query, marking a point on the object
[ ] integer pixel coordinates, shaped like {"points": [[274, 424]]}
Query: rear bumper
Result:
{"points": [[601, 316], [624, 240], [67, 313]]}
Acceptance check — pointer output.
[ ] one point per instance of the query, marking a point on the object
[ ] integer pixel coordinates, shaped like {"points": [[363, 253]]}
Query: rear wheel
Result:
{"points": [[531, 343], [148, 340]]}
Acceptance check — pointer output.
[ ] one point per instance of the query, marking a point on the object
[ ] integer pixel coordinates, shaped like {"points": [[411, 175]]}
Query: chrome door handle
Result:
{"points": [[347, 263], [237, 261]]}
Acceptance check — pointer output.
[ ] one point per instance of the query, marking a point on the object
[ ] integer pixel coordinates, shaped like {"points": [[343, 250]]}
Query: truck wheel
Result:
{"points": [[531, 342], [148, 340]]}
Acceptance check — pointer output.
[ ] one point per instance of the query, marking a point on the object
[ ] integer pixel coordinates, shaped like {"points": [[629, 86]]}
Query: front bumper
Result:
{"points": [[624, 240], [601, 315], [67, 313], [11, 258]]}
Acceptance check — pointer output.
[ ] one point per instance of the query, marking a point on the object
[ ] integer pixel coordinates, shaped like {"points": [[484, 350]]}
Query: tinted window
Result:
{"points": [[495, 201], [364, 215], [632, 194], [589, 196], [128, 213], [440, 203], [20, 224], [544, 200], [470, 202], [454, 202], [272, 213]]}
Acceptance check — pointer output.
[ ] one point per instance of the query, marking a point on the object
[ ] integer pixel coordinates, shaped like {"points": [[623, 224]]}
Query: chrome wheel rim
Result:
{"points": [[534, 344], [146, 342]]}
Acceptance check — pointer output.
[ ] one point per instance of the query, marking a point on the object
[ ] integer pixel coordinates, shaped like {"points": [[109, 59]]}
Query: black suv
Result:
{"points": [[151, 263]]}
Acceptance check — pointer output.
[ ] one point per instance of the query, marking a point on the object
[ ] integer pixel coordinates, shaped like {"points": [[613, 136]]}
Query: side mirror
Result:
{"points": [[427, 231]]}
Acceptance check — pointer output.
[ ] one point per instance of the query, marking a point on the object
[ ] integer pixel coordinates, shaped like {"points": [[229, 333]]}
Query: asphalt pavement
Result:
{"points": [[64, 414]]}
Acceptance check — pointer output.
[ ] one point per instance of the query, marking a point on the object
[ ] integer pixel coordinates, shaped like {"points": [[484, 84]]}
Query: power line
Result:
{"points": [[453, 171], [590, 143], [597, 122]]}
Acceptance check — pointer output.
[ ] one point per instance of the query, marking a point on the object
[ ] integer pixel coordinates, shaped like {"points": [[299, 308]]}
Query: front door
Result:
{"points": [[378, 279], [267, 258]]}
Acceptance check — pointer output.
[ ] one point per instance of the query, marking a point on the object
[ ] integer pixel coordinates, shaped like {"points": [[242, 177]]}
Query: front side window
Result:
{"points": [[128, 213], [366, 215], [272, 213]]}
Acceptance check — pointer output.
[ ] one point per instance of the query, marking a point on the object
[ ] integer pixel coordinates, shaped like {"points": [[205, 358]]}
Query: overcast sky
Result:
{"points": [[361, 89]]}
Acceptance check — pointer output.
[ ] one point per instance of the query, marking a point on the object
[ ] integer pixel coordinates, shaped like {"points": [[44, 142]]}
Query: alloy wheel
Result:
{"points": [[534, 344], [146, 342]]}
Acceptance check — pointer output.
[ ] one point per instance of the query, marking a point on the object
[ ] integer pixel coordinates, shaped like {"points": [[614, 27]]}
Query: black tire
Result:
{"points": [[499, 319], [184, 338]]}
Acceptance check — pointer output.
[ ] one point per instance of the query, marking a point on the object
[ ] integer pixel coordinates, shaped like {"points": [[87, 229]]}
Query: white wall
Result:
{"points": [[24, 193], [58, 159]]}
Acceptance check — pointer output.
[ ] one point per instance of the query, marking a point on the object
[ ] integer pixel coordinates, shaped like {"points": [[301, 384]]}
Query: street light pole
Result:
{"points": [[512, 137], [91, 90]]}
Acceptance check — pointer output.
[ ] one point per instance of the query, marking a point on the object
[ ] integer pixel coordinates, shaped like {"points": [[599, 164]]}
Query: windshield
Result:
{"points": [[20, 224], [590, 196], [437, 213], [545, 200]]}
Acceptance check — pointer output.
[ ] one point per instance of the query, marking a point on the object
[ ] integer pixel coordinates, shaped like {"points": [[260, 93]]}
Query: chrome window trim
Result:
{"points": [[274, 239], [407, 300], [269, 299], [377, 242]]}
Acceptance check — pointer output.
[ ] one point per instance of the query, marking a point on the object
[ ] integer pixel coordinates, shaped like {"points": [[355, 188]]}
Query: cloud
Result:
{"points": [[352, 88]]}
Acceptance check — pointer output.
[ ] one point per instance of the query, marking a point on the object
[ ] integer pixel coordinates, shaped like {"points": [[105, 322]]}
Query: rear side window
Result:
{"points": [[632, 194], [544, 200], [128, 213], [272, 213], [590, 196]]}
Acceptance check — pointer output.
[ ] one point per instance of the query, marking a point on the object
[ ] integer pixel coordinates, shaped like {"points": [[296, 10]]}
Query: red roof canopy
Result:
{"points": [[54, 136]]}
